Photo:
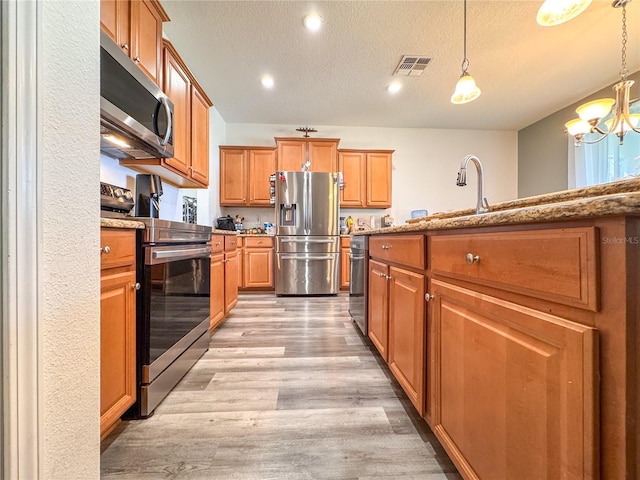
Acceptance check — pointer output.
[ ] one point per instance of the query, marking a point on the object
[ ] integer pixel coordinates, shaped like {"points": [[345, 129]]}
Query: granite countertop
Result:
{"points": [[619, 186], [217, 231], [598, 206], [120, 223]]}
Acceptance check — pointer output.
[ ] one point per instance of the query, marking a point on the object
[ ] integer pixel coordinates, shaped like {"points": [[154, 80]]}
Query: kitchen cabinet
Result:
{"points": [[217, 312], [244, 175], [345, 262], [189, 166], [136, 25], [507, 364], [117, 325], [230, 273], [294, 152], [258, 262], [397, 314], [366, 176]]}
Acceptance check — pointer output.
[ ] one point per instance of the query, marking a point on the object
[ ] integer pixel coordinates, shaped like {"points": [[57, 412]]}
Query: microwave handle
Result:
{"points": [[167, 109]]}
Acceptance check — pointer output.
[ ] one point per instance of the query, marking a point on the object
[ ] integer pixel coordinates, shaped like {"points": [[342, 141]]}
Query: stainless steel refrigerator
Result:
{"points": [[307, 233]]}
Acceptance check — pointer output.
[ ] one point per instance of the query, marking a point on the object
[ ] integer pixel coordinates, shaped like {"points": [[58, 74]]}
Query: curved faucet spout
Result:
{"points": [[482, 205]]}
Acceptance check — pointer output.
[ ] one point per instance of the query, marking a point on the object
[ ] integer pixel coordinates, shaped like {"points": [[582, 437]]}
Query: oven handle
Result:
{"points": [[162, 255]]}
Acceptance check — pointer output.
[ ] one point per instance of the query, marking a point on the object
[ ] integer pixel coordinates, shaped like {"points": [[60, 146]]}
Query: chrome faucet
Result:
{"points": [[482, 205]]}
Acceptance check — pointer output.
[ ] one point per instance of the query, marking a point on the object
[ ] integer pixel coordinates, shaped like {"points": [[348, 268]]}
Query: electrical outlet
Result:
{"points": [[360, 222]]}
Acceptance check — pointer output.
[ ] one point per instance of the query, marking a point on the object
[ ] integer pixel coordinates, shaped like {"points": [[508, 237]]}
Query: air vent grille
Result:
{"points": [[412, 65]]}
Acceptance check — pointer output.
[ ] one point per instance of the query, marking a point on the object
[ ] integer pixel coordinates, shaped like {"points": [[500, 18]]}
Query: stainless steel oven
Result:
{"points": [[173, 307], [358, 270]]}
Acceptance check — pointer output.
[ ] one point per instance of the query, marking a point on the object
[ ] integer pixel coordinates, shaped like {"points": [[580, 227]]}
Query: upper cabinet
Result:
{"points": [[244, 175], [189, 167], [366, 175], [293, 153], [136, 25]]}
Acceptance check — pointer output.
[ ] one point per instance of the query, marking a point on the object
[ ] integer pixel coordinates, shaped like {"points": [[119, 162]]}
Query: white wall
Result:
{"points": [[69, 398], [425, 164]]}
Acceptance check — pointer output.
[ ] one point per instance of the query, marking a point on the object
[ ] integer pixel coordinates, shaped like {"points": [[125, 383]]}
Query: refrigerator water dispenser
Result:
{"points": [[288, 215]]}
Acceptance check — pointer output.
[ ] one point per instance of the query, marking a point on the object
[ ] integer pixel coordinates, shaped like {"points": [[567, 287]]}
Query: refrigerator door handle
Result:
{"points": [[307, 257], [307, 204]]}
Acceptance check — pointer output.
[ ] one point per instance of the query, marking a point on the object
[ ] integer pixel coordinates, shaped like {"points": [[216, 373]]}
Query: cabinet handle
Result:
{"points": [[136, 286], [388, 277], [218, 243], [124, 46], [429, 297], [137, 59], [386, 247], [470, 258], [105, 249]]}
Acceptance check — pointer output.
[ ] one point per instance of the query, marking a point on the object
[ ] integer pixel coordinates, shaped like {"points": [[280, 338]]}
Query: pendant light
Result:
{"points": [[466, 88], [592, 113], [555, 12]]}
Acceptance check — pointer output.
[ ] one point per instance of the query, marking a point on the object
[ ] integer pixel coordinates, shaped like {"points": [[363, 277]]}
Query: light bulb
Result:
{"points": [[267, 81], [394, 87], [623, 126], [595, 110], [313, 22], [577, 126], [555, 12]]}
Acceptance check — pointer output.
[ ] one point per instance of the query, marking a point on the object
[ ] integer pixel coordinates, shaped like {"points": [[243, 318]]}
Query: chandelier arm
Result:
{"points": [[602, 137]]}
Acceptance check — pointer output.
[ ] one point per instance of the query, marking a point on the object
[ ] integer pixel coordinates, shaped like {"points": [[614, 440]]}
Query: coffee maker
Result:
{"points": [[148, 192]]}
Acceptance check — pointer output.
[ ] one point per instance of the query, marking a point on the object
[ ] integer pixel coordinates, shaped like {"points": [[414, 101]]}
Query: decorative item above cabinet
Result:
{"points": [[189, 167]]}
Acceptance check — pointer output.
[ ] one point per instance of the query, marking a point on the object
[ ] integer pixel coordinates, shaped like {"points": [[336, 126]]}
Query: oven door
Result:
{"points": [[176, 303]]}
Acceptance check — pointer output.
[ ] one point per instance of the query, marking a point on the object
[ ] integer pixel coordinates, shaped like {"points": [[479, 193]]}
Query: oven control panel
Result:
{"points": [[115, 199]]}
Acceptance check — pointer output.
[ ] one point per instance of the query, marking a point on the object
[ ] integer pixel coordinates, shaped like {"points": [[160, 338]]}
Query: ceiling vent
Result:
{"points": [[412, 65]]}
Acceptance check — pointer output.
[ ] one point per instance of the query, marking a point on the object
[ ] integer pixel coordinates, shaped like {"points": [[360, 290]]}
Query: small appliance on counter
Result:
{"points": [[387, 221], [148, 193]]}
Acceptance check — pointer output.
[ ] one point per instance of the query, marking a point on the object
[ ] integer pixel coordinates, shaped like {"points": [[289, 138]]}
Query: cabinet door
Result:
{"points": [[199, 137], [323, 156], [378, 306], [217, 290], [117, 346], [258, 268], [230, 281], [291, 155], [379, 180], [407, 333], [146, 38], [353, 168], [345, 265], [262, 164], [523, 381], [177, 86], [233, 176], [114, 20]]}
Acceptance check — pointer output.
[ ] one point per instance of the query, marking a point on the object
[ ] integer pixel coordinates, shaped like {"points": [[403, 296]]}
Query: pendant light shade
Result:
{"points": [[555, 12], [466, 88]]}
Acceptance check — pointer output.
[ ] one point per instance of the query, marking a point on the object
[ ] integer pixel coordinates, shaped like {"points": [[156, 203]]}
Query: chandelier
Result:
{"points": [[592, 113], [466, 88]]}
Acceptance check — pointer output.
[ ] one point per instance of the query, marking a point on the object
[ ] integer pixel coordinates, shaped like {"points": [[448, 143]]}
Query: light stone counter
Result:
{"points": [[120, 223], [217, 231], [620, 186], [600, 206]]}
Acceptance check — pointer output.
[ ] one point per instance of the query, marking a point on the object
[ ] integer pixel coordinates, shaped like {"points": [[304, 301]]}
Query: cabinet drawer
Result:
{"points": [[345, 242], [258, 242], [558, 265], [230, 242], [405, 249], [217, 243], [117, 247]]}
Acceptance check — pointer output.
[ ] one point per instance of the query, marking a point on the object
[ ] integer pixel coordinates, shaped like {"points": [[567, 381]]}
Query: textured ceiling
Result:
{"points": [[338, 76]]}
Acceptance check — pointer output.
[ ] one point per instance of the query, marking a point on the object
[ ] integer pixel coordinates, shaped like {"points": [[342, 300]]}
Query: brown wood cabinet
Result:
{"points": [[366, 175], [294, 152], [244, 175], [230, 272], [189, 166], [258, 262], [217, 312], [117, 326], [508, 360], [136, 25], [345, 262]]}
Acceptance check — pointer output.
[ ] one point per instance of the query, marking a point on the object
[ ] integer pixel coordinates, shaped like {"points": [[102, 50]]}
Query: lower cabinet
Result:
{"points": [[378, 307], [230, 273], [345, 262], [224, 278], [515, 388], [117, 326], [258, 262]]}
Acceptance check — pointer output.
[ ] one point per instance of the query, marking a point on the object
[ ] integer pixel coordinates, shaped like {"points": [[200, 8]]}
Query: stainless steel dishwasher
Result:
{"points": [[358, 269]]}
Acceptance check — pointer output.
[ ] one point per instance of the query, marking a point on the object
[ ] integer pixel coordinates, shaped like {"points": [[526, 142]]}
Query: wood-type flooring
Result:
{"points": [[289, 389]]}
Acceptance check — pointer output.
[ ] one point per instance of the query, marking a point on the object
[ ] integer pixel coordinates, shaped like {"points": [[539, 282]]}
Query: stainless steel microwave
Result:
{"points": [[136, 117]]}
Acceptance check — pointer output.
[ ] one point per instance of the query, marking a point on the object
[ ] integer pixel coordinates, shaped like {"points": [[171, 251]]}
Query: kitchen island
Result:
{"points": [[517, 336]]}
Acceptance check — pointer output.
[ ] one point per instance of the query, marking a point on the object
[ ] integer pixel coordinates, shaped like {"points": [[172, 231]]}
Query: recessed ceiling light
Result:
{"points": [[313, 22], [394, 87], [267, 81]]}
